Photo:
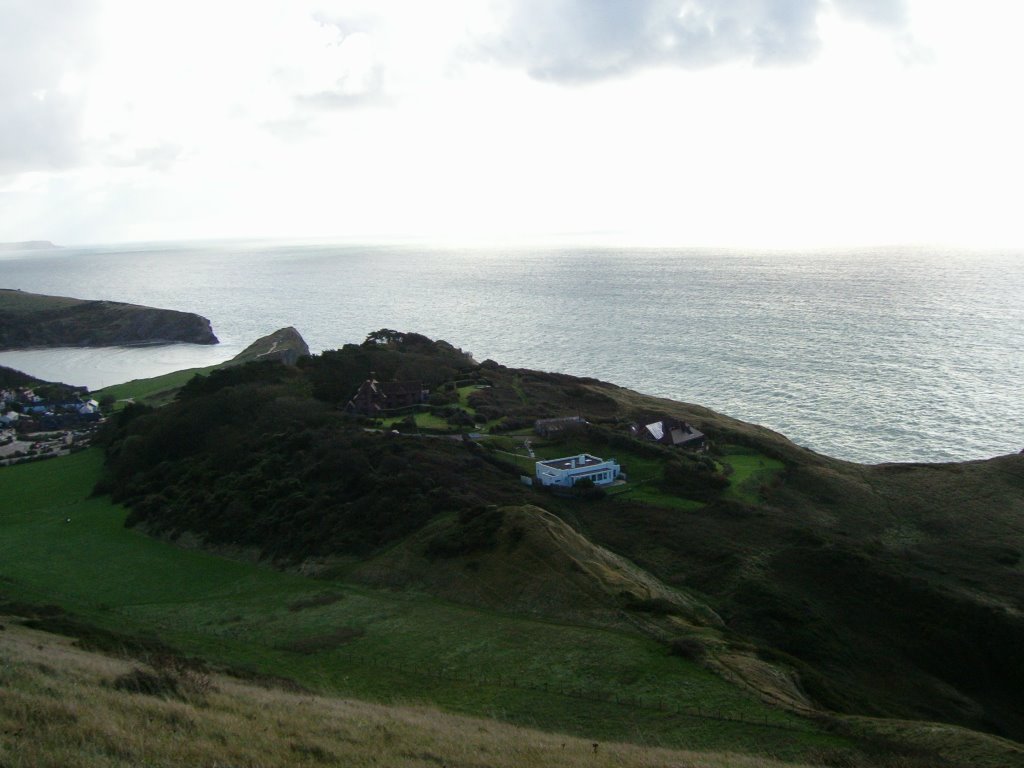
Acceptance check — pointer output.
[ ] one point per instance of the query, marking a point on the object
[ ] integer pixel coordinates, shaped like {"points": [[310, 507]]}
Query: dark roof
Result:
{"points": [[559, 420], [671, 431], [399, 387]]}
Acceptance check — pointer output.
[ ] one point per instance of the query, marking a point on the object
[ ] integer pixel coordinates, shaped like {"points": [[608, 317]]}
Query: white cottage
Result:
{"points": [[568, 471]]}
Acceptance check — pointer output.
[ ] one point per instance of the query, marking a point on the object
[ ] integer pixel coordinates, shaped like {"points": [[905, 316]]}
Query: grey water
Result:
{"points": [[871, 355]]}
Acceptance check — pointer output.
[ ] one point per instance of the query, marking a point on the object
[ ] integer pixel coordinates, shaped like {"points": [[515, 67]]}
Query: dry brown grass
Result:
{"points": [[59, 708]]}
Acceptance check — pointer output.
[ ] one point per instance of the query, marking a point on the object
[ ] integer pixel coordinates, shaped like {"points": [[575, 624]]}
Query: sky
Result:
{"points": [[751, 123]]}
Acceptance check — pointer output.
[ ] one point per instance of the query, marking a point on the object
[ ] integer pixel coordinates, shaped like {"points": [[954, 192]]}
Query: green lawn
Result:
{"points": [[424, 420], [464, 393], [750, 470], [59, 546], [643, 472]]}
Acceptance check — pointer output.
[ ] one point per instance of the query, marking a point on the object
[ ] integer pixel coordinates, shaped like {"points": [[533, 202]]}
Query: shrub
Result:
{"points": [[687, 648], [692, 477], [440, 399], [513, 423], [476, 531], [172, 677], [656, 606], [162, 684]]}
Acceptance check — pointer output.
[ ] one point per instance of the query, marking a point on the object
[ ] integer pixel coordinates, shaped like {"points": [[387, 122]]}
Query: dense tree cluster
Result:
{"points": [[248, 456]]}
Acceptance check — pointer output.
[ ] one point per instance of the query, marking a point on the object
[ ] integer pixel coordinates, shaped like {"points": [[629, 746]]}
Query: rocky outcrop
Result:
{"points": [[285, 345], [30, 320]]}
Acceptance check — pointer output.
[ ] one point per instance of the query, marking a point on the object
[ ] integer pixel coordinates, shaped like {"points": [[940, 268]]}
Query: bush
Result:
{"points": [[687, 648], [160, 684], [440, 399], [656, 606], [172, 677], [476, 531], [513, 423], [692, 477]]}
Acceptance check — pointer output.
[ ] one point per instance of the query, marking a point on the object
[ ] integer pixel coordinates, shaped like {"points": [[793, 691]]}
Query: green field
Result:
{"points": [[154, 391], [59, 546], [750, 470], [424, 420]]}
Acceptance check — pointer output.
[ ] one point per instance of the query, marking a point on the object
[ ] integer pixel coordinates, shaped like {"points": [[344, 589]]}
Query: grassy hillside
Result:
{"points": [[895, 590], [156, 390], [63, 706], [119, 588], [758, 572], [871, 585], [285, 345]]}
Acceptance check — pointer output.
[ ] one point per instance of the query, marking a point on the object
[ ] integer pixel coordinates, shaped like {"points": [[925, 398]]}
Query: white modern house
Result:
{"points": [[568, 471]]}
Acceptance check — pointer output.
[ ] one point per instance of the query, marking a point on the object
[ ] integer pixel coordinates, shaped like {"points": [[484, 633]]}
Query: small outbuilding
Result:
{"points": [[559, 426], [569, 470], [671, 432]]}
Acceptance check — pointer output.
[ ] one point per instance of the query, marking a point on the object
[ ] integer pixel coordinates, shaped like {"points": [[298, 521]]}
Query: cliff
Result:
{"points": [[30, 320]]}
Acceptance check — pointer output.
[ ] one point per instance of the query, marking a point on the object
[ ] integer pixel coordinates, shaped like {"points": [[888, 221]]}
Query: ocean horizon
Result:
{"points": [[870, 355]]}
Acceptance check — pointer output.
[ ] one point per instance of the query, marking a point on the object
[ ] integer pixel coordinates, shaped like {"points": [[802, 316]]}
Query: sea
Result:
{"points": [[870, 355]]}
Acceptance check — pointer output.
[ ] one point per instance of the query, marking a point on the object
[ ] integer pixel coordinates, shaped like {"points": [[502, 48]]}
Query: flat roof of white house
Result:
{"points": [[581, 460]]}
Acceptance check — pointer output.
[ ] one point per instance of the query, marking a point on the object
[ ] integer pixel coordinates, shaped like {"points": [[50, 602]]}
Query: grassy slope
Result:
{"points": [[838, 568], [358, 641], [23, 302], [832, 564], [59, 709], [159, 390], [153, 391], [897, 590]]}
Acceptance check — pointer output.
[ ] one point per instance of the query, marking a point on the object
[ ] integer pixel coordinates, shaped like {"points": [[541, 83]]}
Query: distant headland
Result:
{"points": [[29, 245], [31, 320]]}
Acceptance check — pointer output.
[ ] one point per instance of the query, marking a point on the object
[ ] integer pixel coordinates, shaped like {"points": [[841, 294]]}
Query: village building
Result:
{"points": [[376, 397], [560, 426], [671, 432], [569, 470]]}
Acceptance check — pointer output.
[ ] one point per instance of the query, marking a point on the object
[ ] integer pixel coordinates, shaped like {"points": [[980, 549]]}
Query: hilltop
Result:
{"points": [[30, 320]]}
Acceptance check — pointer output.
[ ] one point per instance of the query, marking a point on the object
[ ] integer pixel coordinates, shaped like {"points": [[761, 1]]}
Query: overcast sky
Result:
{"points": [[682, 122]]}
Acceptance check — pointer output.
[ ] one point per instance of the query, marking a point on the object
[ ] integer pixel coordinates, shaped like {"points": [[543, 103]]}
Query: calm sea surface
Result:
{"points": [[871, 355]]}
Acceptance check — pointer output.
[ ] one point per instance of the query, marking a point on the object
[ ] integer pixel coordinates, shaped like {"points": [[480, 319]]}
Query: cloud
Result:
{"points": [[345, 70], [45, 47], [156, 157], [348, 91], [574, 41]]}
